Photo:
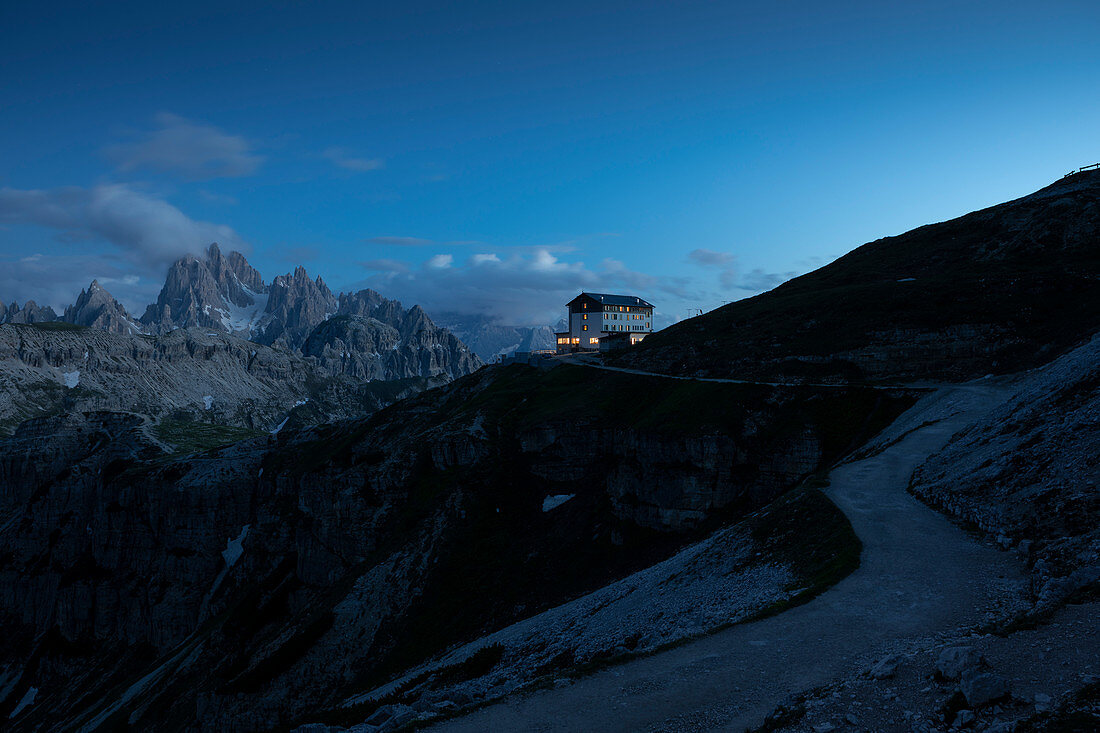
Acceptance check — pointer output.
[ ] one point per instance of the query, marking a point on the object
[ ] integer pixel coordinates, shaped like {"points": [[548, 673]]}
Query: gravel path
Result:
{"points": [[589, 361], [920, 575]]}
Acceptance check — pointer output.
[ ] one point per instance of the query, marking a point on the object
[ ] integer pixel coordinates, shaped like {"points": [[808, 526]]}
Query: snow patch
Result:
{"points": [[553, 502], [234, 547], [71, 378], [25, 701], [907, 280], [299, 403], [280, 425], [207, 402], [247, 319]]}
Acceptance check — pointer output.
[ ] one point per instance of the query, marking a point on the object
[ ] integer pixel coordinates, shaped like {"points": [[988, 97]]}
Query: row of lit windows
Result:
{"points": [[564, 341], [615, 316], [621, 308], [618, 327]]}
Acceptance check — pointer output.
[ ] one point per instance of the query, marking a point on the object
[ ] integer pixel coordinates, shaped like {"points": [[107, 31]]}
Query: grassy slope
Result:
{"points": [[1027, 269]]}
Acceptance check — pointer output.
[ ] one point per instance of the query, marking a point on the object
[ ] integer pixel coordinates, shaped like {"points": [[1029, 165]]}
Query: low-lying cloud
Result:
{"points": [[194, 150], [131, 238], [514, 288], [57, 280], [343, 159]]}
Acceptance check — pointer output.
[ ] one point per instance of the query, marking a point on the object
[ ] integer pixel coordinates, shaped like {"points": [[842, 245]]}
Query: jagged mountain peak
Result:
{"points": [[218, 292], [95, 307]]}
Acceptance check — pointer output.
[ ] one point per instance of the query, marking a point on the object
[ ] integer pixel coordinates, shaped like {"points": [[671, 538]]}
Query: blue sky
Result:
{"points": [[499, 156]]}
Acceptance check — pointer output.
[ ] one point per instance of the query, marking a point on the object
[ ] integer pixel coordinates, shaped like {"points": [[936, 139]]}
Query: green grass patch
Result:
{"points": [[194, 437], [51, 326]]}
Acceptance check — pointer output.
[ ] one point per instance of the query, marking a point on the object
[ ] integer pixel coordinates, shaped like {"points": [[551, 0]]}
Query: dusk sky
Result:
{"points": [[500, 157]]}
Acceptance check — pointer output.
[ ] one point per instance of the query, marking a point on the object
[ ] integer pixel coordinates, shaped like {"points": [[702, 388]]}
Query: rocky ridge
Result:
{"points": [[31, 312], [219, 304], [190, 374]]}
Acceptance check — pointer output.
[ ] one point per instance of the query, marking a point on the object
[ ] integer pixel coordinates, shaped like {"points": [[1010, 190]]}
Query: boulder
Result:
{"points": [[954, 661], [982, 688], [963, 718]]}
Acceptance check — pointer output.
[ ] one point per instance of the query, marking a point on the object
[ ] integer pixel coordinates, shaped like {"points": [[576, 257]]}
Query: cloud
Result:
{"points": [[710, 258], [341, 158], [520, 287], [760, 280], [148, 231], [440, 262], [218, 198], [194, 150], [420, 242], [57, 280], [384, 265]]}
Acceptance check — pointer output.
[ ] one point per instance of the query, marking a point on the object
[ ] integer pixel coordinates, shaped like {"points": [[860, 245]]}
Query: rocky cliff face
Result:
{"points": [[96, 308], [295, 306], [366, 348], [251, 585], [995, 291], [215, 292]]}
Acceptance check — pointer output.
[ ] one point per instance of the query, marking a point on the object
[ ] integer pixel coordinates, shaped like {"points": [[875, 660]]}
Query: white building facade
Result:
{"points": [[593, 316]]}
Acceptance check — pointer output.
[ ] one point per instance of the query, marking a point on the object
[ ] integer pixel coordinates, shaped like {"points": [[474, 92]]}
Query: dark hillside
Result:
{"points": [[270, 579], [997, 290]]}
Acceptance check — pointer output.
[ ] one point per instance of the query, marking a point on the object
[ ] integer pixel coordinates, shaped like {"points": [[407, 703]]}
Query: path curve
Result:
{"points": [[919, 575]]}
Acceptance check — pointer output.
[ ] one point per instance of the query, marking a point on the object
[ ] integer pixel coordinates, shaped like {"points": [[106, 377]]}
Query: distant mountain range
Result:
{"points": [[225, 294], [365, 335], [489, 339], [220, 346]]}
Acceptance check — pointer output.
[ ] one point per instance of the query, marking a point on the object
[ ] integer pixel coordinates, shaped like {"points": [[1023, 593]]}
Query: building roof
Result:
{"points": [[607, 299]]}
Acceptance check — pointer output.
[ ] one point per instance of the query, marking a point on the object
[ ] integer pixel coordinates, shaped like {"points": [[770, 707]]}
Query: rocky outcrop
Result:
{"points": [[250, 585], [296, 305], [1029, 474], [96, 308], [367, 348], [220, 293], [31, 312]]}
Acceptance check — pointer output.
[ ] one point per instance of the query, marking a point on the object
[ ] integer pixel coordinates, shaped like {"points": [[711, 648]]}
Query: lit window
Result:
{"points": [[593, 340], [585, 316], [586, 327]]}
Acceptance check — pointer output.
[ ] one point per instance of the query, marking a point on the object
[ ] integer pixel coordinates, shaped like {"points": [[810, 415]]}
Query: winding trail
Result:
{"points": [[920, 575]]}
